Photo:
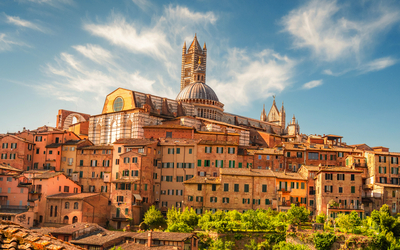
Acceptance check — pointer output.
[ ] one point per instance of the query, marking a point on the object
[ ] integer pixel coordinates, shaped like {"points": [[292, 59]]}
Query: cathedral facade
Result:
{"points": [[126, 112]]}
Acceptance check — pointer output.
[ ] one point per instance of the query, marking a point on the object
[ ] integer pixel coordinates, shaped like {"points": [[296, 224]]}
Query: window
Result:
{"points": [[66, 205], [179, 179], [231, 150], [246, 188], [190, 151], [328, 177], [340, 177], [328, 189], [208, 150], [299, 154], [178, 150], [120, 198], [236, 188], [220, 150], [190, 198], [226, 187], [340, 154], [118, 104], [5, 145], [353, 189], [264, 188], [199, 198], [206, 163], [231, 164], [312, 156], [352, 177], [168, 135], [199, 163], [213, 199], [93, 163], [340, 190], [39, 138], [225, 200], [66, 189], [219, 163], [13, 145], [214, 187], [199, 187], [170, 151], [303, 185]]}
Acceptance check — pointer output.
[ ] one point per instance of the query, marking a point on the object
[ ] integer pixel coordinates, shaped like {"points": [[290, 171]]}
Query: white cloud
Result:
{"points": [[7, 43], [323, 27], [145, 5], [312, 84], [127, 35], [377, 64], [23, 23], [54, 3], [95, 53], [252, 76]]}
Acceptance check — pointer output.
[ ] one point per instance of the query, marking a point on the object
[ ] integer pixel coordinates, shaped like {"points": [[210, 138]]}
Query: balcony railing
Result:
{"points": [[13, 208], [372, 195], [349, 207]]}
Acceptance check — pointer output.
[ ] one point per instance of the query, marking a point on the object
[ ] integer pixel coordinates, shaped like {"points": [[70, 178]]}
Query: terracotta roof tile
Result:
{"points": [[289, 175], [136, 246], [18, 237], [71, 196], [164, 236], [246, 172], [69, 229], [135, 142], [101, 238], [47, 175]]}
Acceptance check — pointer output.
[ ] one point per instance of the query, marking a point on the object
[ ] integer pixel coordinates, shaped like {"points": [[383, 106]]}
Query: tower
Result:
{"points": [[283, 117], [194, 63], [263, 116]]}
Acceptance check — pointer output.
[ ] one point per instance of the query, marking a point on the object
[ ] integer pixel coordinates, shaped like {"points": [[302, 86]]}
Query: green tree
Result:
{"points": [[183, 222], [323, 241], [321, 218], [153, 217], [297, 214], [348, 222]]}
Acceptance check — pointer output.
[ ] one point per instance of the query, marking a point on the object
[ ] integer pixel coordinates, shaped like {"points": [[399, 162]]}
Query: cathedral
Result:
{"points": [[126, 112]]}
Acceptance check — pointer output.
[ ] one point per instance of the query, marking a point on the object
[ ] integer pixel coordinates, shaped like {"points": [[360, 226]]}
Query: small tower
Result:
{"points": [[193, 59], [283, 116], [263, 116], [293, 128]]}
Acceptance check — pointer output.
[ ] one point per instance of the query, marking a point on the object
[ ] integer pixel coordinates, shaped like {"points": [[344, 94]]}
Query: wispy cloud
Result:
{"points": [[377, 64], [7, 43], [144, 5], [252, 76], [54, 3], [312, 84], [324, 28], [95, 53], [23, 23]]}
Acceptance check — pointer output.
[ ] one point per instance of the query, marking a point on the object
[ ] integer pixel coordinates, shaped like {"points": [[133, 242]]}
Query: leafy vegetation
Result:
{"points": [[153, 217]]}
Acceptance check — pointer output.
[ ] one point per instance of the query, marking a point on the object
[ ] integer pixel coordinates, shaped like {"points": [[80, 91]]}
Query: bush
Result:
{"points": [[324, 241], [289, 246]]}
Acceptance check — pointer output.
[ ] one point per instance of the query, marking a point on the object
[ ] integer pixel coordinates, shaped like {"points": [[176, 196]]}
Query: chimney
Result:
{"points": [[149, 238]]}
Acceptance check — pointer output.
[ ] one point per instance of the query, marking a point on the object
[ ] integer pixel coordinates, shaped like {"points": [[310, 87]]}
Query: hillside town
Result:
{"points": [[90, 179]]}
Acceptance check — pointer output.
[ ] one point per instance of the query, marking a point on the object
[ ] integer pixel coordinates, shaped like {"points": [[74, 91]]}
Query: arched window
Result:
{"points": [[55, 211], [66, 205], [51, 211], [66, 219], [76, 205], [74, 219], [118, 104]]}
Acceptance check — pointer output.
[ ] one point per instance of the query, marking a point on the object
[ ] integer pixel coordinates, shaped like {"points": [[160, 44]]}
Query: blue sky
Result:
{"points": [[335, 64]]}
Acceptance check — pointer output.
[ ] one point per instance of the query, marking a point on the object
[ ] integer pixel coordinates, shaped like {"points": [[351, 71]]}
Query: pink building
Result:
{"points": [[44, 184]]}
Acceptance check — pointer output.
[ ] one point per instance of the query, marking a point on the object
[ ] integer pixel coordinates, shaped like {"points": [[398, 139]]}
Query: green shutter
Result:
{"points": [[222, 163], [216, 163], [233, 164], [240, 165], [199, 163]]}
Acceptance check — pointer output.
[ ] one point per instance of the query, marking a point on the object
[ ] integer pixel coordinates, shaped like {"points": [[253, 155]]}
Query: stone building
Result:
{"points": [[76, 207], [17, 151], [338, 190], [93, 168], [234, 189]]}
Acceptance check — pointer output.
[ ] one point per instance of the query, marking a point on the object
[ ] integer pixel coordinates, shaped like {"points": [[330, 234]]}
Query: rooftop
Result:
{"points": [[101, 238], [289, 175], [47, 175], [69, 229], [29, 239], [169, 236], [71, 196], [247, 172], [135, 142], [203, 179]]}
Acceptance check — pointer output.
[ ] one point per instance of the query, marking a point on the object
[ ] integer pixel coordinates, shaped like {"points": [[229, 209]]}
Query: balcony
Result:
{"points": [[311, 192], [372, 195], [119, 217], [285, 190], [348, 207], [13, 209]]}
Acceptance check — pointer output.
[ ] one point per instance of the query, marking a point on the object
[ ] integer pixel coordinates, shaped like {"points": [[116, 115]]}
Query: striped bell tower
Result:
{"points": [[192, 58]]}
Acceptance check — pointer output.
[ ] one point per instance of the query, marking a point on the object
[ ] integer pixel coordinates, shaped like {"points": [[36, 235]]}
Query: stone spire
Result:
{"points": [[263, 116]]}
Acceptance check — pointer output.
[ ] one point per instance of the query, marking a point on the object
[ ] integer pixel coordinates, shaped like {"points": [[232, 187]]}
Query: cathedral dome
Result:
{"points": [[197, 90]]}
